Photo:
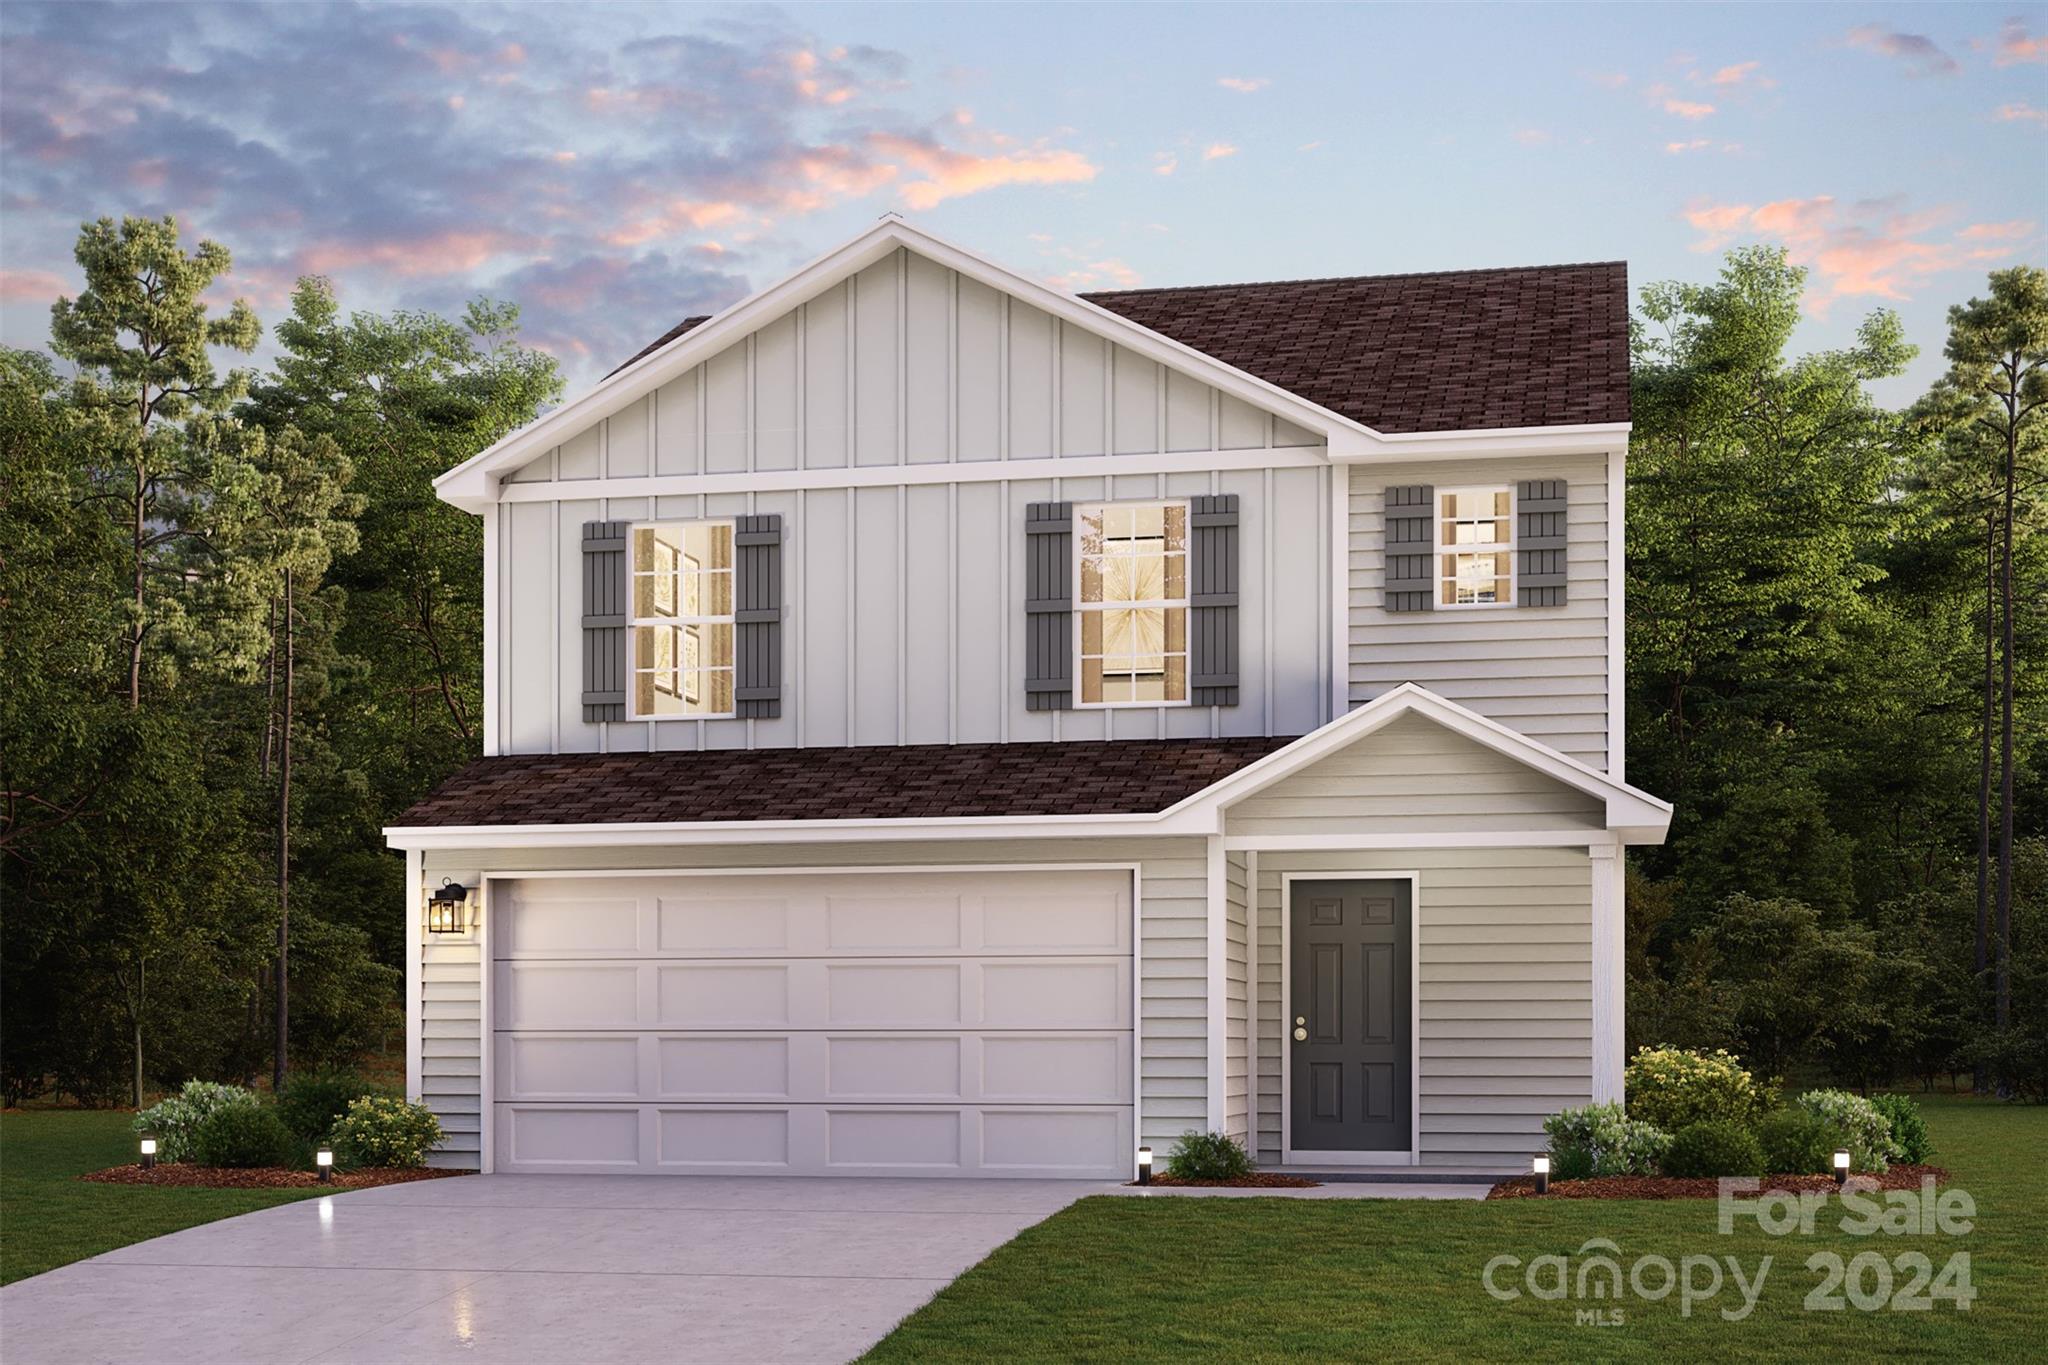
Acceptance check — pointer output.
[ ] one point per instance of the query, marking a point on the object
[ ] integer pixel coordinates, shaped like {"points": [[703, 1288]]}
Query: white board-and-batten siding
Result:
{"points": [[1539, 670], [904, 617], [1172, 977]]}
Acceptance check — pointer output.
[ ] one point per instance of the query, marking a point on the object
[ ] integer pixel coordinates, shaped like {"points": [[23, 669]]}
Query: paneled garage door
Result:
{"points": [[923, 1023]]}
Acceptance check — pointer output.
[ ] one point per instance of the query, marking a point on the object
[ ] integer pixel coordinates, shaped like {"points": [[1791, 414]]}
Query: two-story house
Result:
{"points": [[939, 725]]}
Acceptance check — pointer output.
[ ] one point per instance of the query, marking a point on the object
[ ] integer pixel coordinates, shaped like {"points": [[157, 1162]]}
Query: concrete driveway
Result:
{"points": [[534, 1268]]}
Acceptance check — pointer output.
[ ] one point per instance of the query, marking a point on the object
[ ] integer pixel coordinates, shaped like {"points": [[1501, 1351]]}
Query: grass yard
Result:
{"points": [[48, 1219], [1270, 1279]]}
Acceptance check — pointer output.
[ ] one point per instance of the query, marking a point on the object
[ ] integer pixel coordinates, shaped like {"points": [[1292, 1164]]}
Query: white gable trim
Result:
{"points": [[1634, 815], [473, 484]]}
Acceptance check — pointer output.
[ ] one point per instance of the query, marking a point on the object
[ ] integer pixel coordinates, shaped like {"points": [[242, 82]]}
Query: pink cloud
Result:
{"points": [[1695, 145], [31, 286], [454, 251], [949, 174], [1872, 248], [1110, 273], [1165, 163], [1243, 85], [675, 216], [2017, 45], [1742, 73], [1216, 151], [1921, 54], [2019, 111], [1532, 137], [1689, 110]]}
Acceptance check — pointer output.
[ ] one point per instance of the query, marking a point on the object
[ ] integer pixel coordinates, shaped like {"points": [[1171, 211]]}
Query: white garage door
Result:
{"points": [[925, 1023]]}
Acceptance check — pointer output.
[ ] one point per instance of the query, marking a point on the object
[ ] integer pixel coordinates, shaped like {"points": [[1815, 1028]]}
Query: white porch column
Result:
{"points": [[1218, 993], [1610, 984], [415, 909]]}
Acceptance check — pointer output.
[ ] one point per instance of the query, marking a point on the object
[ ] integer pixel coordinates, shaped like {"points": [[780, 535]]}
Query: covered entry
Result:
{"points": [[897, 1023]]}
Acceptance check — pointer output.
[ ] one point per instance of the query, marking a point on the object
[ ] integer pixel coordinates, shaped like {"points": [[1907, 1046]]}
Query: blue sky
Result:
{"points": [[612, 169]]}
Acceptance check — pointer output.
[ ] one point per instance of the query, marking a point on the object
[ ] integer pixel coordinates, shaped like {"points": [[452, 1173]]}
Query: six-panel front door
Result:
{"points": [[1349, 1035]]}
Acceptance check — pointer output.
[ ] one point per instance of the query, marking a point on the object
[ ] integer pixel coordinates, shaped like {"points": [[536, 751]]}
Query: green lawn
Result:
{"points": [[48, 1219], [1270, 1279]]}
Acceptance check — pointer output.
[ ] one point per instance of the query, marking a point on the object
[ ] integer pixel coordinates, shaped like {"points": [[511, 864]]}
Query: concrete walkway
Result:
{"points": [[534, 1268]]}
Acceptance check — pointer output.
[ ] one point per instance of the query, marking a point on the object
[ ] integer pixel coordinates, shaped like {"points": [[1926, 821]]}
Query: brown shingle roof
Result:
{"points": [[664, 339], [919, 781], [1456, 350]]}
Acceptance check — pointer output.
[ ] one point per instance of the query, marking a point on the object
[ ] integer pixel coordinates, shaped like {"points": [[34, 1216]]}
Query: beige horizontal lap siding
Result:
{"points": [[1541, 670], [1414, 776], [1237, 985], [1505, 987], [1172, 980]]}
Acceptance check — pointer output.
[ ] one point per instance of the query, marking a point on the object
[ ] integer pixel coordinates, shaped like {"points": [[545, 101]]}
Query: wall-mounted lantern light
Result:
{"points": [[324, 1159], [1841, 1166], [148, 1151], [447, 908], [1144, 1165], [1539, 1166]]}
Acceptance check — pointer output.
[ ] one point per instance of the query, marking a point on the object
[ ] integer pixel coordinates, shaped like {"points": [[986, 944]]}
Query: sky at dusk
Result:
{"points": [[611, 169]]}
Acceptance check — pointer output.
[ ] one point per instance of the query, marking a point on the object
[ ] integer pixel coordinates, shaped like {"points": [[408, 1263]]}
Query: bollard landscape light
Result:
{"points": [[149, 1151], [324, 1159], [1144, 1165], [1841, 1166], [1540, 1168]]}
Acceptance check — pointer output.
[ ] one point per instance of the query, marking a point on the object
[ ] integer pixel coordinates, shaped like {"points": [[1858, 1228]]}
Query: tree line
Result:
{"points": [[238, 633]]}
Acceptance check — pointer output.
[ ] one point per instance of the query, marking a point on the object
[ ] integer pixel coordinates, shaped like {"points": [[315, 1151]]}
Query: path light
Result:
{"points": [[1539, 1166], [1841, 1165], [324, 1159], [148, 1151], [445, 908], [1144, 1165]]}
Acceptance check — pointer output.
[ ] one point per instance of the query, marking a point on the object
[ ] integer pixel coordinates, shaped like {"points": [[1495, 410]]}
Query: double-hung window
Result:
{"points": [[682, 623], [1133, 603], [1475, 547]]}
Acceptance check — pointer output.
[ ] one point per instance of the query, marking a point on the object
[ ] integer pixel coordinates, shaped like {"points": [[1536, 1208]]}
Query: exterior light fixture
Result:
{"points": [[445, 908], [324, 1159], [1144, 1165], [1841, 1166], [1539, 1167], [148, 1151]]}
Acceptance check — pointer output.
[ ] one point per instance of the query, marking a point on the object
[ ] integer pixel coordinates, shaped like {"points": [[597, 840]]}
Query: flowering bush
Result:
{"points": [[377, 1130], [1616, 1143], [1857, 1125], [175, 1119], [1674, 1088]]}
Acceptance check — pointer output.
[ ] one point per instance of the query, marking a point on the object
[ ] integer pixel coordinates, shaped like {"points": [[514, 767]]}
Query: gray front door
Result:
{"points": [[1349, 1034]]}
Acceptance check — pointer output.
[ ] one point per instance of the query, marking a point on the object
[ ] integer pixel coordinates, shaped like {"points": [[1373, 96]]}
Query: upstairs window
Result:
{"points": [[1475, 544], [682, 623], [1133, 607]]}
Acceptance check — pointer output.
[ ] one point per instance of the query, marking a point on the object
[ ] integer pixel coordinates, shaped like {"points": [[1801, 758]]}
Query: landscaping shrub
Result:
{"points": [[1207, 1156], [1618, 1144], [1674, 1088], [378, 1130], [1857, 1125], [312, 1102], [1910, 1142], [244, 1135], [1715, 1148], [1796, 1142], [176, 1118], [1571, 1163]]}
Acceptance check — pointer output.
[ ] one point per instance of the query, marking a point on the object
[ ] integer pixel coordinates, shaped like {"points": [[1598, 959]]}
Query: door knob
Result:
{"points": [[1300, 1028]]}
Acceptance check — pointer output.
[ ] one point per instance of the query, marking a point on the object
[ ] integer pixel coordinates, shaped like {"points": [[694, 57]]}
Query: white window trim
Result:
{"points": [[634, 623], [1506, 547], [1081, 509]]}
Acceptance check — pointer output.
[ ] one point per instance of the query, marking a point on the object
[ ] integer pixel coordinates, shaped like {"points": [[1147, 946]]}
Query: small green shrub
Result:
{"points": [[244, 1135], [1910, 1142], [378, 1130], [1715, 1148], [312, 1102], [1857, 1124], [1619, 1144], [1796, 1142], [1571, 1163], [1674, 1088], [176, 1118], [1207, 1156]]}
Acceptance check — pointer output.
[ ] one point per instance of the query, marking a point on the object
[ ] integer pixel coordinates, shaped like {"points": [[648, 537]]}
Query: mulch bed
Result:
{"points": [[1899, 1177], [258, 1177], [1257, 1180]]}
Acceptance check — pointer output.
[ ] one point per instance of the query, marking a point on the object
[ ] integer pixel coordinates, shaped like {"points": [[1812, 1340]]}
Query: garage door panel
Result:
{"points": [[933, 1024]]}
